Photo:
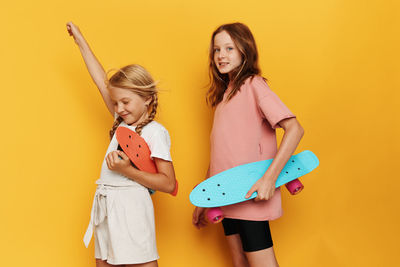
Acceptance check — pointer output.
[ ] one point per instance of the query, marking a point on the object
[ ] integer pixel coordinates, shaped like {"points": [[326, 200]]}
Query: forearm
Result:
{"points": [[96, 71], [94, 67], [155, 181], [290, 141]]}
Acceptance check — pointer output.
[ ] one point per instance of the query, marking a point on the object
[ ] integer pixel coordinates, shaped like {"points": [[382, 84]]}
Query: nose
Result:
{"points": [[221, 54], [119, 108]]}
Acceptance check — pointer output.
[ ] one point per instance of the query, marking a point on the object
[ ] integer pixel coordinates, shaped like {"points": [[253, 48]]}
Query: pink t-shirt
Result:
{"points": [[243, 132]]}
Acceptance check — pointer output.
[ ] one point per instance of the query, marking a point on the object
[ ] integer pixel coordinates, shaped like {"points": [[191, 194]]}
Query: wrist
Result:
{"points": [[129, 172], [269, 178], [81, 42]]}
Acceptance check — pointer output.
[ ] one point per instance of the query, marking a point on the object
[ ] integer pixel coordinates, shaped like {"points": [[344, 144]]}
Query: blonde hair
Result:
{"points": [[139, 81]]}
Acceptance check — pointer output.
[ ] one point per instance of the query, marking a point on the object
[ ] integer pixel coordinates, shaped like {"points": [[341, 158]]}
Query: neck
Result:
{"points": [[142, 118]]}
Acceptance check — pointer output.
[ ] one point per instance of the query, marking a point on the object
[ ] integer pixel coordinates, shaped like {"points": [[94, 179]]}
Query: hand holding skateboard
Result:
{"points": [[137, 150]]}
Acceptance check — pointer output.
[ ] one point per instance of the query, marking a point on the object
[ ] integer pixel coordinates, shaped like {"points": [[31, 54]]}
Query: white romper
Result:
{"points": [[122, 217]]}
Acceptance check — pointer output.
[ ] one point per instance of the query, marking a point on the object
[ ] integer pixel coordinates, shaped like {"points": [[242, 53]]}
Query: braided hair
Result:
{"points": [[136, 79]]}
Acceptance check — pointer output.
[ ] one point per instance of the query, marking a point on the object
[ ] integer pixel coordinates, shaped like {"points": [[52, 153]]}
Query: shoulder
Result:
{"points": [[156, 135], [257, 85], [154, 128], [154, 125], [256, 81]]}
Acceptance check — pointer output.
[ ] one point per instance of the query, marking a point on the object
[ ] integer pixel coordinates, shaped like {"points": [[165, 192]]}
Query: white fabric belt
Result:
{"points": [[102, 205]]}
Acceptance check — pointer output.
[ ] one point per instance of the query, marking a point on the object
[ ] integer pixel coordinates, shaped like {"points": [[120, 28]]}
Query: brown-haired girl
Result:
{"points": [[122, 217], [246, 115]]}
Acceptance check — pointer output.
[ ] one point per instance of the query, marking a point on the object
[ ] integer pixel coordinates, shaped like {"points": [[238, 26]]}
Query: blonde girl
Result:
{"points": [[122, 217]]}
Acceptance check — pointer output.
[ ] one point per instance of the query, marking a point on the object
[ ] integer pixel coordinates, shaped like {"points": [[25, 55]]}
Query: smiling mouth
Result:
{"points": [[223, 64]]}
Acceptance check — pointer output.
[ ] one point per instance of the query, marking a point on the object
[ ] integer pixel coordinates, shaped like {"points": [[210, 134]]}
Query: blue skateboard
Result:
{"points": [[231, 186]]}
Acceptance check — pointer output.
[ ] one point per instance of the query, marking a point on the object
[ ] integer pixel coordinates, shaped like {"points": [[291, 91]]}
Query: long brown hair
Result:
{"points": [[244, 41], [138, 80]]}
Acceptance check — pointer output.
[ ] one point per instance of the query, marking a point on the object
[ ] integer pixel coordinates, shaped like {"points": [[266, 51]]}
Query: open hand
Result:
{"points": [[117, 161]]}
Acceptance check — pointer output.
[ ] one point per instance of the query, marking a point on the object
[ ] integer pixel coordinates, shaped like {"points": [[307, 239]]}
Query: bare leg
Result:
{"points": [[236, 249], [147, 264], [262, 258], [101, 263]]}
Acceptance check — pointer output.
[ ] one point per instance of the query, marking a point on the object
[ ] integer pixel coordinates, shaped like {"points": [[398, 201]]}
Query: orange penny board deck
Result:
{"points": [[137, 150]]}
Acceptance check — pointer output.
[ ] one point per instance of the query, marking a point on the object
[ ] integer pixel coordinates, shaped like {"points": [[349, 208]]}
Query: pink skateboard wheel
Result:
{"points": [[215, 215], [294, 186]]}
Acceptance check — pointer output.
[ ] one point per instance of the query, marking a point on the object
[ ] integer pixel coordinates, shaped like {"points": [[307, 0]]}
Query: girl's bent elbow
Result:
{"points": [[170, 187], [301, 131]]}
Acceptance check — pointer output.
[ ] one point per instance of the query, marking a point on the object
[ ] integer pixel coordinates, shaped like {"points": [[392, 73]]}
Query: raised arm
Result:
{"points": [[93, 65]]}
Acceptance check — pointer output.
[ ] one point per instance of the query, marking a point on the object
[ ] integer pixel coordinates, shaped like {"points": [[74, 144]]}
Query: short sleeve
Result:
{"points": [[160, 144], [271, 107]]}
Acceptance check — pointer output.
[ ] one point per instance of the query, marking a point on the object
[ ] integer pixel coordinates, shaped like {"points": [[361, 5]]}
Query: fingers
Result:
{"points": [[202, 223], [251, 191], [261, 196], [108, 165], [195, 218], [72, 29], [122, 155], [70, 25], [196, 213], [69, 28], [265, 189], [115, 155], [257, 199], [199, 219], [112, 159], [264, 195]]}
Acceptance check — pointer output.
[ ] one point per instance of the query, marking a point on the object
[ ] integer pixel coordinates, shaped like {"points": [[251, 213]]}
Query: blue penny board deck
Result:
{"points": [[231, 186]]}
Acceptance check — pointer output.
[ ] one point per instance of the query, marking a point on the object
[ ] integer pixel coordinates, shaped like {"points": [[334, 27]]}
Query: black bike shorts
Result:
{"points": [[255, 235]]}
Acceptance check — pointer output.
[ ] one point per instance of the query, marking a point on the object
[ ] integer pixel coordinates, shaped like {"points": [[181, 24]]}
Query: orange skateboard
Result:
{"points": [[137, 150]]}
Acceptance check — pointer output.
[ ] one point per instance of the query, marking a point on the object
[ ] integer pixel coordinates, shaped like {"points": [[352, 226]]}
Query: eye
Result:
{"points": [[216, 49], [125, 102], [229, 48]]}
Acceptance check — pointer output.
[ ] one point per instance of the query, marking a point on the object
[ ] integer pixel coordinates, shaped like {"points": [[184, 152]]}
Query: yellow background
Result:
{"points": [[334, 63]]}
